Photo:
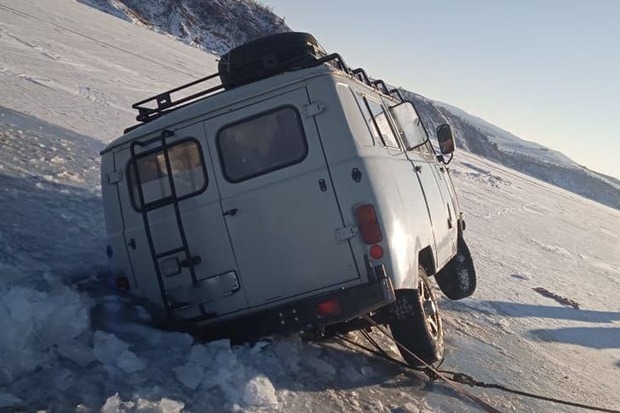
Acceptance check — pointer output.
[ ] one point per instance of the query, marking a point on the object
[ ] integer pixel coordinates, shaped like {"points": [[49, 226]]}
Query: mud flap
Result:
{"points": [[457, 279]]}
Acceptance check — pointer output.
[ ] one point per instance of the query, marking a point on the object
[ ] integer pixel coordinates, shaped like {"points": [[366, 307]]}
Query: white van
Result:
{"points": [[297, 194]]}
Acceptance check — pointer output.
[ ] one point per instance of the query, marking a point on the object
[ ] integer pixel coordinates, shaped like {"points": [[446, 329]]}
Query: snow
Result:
{"points": [[69, 73], [33, 323], [115, 404], [115, 354], [260, 392]]}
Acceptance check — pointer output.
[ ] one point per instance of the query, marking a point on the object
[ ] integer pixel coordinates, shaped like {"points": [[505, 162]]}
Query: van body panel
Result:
{"points": [[283, 231], [276, 239], [439, 208], [207, 237], [389, 175], [444, 181], [114, 219]]}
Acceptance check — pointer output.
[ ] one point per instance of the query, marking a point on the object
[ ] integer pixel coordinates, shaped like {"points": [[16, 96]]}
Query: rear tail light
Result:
{"points": [[376, 252], [328, 307], [368, 224]]}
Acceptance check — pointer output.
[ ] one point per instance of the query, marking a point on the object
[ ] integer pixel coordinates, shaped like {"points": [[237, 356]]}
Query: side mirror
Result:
{"points": [[445, 139]]}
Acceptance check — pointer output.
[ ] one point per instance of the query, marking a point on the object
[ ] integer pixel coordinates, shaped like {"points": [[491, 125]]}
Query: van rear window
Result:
{"points": [[262, 144], [187, 169]]}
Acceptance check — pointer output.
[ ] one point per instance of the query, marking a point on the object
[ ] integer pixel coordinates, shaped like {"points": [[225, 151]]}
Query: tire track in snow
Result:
{"points": [[99, 42], [93, 95]]}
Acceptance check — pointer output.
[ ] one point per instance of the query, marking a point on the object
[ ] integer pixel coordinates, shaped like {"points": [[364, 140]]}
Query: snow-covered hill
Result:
{"points": [[482, 138], [68, 342], [215, 25]]}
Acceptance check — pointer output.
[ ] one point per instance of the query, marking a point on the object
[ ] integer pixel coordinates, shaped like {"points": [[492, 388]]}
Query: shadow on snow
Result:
{"points": [[539, 311], [593, 337]]}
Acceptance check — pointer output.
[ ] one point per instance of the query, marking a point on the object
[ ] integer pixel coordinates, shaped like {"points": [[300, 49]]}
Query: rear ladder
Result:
{"points": [[189, 261]]}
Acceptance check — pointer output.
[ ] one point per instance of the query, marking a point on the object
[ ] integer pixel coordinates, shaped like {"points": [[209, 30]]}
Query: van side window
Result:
{"points": [[407, 120], [381, 123], [262, 144], [187, 168]]}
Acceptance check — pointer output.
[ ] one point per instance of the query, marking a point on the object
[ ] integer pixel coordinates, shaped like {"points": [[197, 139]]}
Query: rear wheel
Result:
{"points": [[416, 323]]}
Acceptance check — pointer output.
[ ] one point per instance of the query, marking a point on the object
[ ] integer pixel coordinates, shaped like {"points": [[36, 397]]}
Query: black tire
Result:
{"points": [[457, 279], [416, 323]]}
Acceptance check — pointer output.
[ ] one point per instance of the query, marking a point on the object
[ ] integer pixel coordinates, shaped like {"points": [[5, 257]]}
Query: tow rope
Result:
{"points": [[452, 378]]}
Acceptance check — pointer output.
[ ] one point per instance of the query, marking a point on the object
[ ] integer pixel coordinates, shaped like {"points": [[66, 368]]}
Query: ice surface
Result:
{"points": [[76, 351], [113, 352], [322, 366], [190, 374], [32, 322], [8, 400]]}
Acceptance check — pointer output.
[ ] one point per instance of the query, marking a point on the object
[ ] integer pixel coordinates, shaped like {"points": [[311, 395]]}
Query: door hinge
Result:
{"points": [[343, 234], [114, 177], [313, 109]]}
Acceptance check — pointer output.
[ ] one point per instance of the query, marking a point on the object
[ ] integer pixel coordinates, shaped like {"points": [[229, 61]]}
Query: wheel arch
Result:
{"points": [[426, 259]]}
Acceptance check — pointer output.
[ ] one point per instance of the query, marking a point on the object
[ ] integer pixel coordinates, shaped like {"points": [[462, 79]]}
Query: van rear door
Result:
{"points": [[278, 199], [176, 238]]}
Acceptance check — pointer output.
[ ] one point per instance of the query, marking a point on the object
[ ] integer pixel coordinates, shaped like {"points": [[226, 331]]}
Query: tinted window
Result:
{"points": [[187, 168], [380, 121], [262, 144]]}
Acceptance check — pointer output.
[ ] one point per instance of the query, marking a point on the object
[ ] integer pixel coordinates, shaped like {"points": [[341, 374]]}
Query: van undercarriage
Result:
{"points": [[312, 313]]}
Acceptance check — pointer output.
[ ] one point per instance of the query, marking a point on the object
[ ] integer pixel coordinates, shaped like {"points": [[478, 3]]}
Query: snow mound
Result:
{"points": [[115, 404], [33, 322], [260, 392]]}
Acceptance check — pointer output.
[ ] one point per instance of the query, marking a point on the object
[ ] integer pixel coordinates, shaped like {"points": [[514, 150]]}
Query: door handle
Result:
{"points": [[231, 212]]}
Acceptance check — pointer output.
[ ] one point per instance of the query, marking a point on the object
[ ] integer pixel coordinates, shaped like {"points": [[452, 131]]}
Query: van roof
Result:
{"points": [[220, 100], [226, 98]]}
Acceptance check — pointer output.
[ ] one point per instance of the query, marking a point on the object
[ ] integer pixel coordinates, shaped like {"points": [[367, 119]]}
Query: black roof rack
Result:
{"points": [[162, 103], [165, 100]]}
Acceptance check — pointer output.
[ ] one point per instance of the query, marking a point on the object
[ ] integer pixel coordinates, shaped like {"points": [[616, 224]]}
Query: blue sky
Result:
{"points": [[546, 70]]}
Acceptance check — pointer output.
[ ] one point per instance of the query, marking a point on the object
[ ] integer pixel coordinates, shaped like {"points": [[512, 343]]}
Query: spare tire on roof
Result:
{"points": [[268, 56]]}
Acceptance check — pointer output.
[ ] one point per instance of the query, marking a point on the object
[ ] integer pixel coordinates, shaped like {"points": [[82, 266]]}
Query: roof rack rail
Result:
{"points": [[165, 101], [396, 93], [378, 84], [361, 75], [162, 103]]}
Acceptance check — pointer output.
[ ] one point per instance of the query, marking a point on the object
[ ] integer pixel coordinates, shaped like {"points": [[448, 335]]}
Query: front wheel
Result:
{"points": [[416, 323]]}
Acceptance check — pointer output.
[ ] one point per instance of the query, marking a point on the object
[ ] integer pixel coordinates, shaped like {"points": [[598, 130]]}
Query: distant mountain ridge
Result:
{"points": [[218, 25], [480, 137], [213, 25]]}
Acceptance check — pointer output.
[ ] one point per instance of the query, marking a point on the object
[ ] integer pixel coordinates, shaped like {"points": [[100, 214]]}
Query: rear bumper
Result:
{"points": [[302, 314]]}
